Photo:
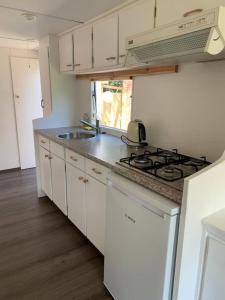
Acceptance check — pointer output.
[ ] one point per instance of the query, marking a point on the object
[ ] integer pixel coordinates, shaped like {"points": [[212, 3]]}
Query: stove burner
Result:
{"points": [[164, 164], [169, 170], [142, 160]]}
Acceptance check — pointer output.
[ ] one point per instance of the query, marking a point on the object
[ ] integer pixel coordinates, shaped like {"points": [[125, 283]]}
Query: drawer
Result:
{"points": [[44, 142], [75, 159], [96, 170], [57, 150]]}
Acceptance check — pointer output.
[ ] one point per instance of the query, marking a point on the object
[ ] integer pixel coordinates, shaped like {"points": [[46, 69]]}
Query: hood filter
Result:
{"points": [[190, 43]]}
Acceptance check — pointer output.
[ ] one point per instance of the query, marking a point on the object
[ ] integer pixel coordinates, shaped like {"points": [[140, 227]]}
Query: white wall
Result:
{"points": [[9, 155], [184, 110], [64, 105]]}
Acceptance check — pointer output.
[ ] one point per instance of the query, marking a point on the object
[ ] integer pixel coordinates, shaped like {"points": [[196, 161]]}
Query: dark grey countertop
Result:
{"points": [[107, 150]]}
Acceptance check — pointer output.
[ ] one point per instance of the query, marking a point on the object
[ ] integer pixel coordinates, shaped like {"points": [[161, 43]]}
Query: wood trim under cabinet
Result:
{"points": [[127, 74]]}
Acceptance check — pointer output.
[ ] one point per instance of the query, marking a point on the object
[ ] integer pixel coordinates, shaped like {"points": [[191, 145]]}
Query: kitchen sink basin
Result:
{"points": [[75, 135]]}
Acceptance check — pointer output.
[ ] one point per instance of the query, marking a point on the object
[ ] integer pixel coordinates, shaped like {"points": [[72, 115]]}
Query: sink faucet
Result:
{"points": [[96, 127]]}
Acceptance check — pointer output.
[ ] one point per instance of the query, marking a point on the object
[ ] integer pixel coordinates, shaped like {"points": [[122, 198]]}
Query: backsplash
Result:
{"points": [[184, 110]]}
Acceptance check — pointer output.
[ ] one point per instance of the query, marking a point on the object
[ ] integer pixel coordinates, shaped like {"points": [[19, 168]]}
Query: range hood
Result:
{"points": [[194, 38]]}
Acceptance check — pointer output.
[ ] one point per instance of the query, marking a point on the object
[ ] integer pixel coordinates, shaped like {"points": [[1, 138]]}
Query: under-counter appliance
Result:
{"points": [[140, 245]]}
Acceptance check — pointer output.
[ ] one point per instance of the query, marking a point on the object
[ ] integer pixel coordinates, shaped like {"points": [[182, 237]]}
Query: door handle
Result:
{"points": [[96, 171], [111, 58], [42, 103], [194, 11]]}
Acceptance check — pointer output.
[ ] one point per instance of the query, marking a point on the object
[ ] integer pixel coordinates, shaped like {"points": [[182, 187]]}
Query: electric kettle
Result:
{"points": [[136, 134]]}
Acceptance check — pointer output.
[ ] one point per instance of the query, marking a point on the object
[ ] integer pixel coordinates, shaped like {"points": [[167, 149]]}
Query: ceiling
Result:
{"points": [[53, 16]]}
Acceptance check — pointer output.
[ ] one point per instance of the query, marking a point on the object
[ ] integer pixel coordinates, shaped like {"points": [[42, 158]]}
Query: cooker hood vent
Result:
{"points": [[192, 39]]}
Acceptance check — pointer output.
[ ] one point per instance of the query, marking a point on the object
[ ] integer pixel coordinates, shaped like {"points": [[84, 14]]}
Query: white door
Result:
{"points": [[134, 19], [169, 11], [27, 95], [66, 52], [83, 48], [95, 212], [76, 197], [45, 169], [105, 42], [59, 182]]}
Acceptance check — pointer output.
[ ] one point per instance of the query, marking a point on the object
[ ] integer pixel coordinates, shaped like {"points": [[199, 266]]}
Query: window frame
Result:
{"points": [[109, 130]]}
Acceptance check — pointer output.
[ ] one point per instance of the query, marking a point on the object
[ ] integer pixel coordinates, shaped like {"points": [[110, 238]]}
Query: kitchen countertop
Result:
{"points": [[107, 150]]}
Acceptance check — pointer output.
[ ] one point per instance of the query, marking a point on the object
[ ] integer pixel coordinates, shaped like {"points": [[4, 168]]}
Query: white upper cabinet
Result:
{"points": [[46, 101], [169, 11], [132, 20], [105, 42], [83, 48], [66, 52]]}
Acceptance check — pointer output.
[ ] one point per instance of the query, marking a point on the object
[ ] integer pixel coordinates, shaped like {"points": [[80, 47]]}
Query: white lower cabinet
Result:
{"points": [[59, 183], [82, 197], [45, 170], [95, 212], [76, 197]]}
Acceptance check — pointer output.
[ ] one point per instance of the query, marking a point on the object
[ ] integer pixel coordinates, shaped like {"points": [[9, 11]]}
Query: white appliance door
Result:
{"points": [[139, 249]]}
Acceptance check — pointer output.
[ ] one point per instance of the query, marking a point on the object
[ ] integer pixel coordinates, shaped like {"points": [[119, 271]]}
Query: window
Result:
{"points": [[113, 103]]}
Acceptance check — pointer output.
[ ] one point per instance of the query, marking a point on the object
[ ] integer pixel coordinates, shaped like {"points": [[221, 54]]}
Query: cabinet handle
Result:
{"points": [[50, 157], [46, 155], [96, 171], [122, 55], [111, 58], [194, 11], [77, 65], [73, 158], [85, 181], [42, 103], [69, 65], [81, 178], [43, 141]]}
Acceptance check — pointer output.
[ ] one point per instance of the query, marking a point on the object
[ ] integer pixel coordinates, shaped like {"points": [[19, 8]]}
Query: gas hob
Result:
{"points": [[167, 165]]}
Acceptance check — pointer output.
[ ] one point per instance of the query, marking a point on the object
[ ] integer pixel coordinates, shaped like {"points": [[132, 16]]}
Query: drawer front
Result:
{"points": [[43, 142], [96, 170], [75, 159], [57, 150]]}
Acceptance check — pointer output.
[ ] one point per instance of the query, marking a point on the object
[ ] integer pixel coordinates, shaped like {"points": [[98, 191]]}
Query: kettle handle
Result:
{"points": [[142, 132]]}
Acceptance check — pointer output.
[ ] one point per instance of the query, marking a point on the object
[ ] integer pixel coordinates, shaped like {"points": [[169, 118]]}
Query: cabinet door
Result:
{"points": [[169, 11], [59, 183], [213, 286], [132, 20], [83, 48], [45, 169], [76, 197], [66, 52], [105, 42], [95, 212], [46, 101]]}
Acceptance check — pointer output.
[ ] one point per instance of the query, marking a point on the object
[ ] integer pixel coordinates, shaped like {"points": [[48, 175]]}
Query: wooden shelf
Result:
{"points": [[127, 74]]}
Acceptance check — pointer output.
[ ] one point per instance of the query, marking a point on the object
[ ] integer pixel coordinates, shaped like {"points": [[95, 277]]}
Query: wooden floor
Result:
{"points": [[42, 255]]}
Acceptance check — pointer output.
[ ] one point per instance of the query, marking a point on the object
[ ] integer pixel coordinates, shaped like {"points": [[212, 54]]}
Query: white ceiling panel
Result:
{"points": [[13, 24]]}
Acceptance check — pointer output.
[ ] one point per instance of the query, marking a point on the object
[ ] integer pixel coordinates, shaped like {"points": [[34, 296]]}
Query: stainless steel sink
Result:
{"points": [[75, 135]]}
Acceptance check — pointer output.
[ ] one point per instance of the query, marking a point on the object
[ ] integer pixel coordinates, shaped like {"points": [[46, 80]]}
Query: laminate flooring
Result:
{"points": [[42, 254]]}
